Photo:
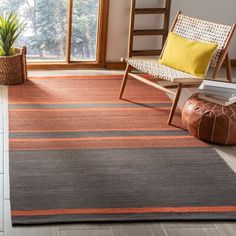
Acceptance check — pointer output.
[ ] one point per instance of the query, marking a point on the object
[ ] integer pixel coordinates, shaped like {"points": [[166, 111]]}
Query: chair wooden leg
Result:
{"points": [[122, 88], [228, 68], [175, 103]]}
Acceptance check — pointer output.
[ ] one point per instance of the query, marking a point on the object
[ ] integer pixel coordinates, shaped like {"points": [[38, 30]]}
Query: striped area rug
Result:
{"points": [[78, 154]]}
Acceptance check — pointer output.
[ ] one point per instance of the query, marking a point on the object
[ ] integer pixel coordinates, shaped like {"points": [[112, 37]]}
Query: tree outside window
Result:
{"points": [[45, 34]]}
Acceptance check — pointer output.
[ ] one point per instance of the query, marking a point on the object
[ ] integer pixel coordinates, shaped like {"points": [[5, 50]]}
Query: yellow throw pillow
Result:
{"points": [[186, 55]]}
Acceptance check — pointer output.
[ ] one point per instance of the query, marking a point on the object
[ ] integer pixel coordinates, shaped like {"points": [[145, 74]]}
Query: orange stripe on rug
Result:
{"points": [[87, 130], [137, 102], [76, 77], [144, 210], [100, 138], [89, 109], [101, 143]]}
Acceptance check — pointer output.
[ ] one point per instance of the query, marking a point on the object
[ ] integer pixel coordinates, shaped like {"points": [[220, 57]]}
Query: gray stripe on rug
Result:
{"points": [[116, 152], [112, 133], [122, 179]]}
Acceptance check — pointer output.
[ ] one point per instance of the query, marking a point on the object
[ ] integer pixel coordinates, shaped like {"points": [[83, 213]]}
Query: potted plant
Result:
{"points": [[12, 60]]}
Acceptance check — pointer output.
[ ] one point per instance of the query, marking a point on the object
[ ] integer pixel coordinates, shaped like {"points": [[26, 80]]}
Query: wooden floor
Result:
{"points": [[116, 229]]}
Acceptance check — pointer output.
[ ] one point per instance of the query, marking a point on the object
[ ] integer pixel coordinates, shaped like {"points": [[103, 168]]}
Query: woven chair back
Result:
{"points": [[204, 31]]}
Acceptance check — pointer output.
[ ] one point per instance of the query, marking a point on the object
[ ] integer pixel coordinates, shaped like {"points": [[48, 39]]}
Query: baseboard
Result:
{"points": [[109, 65], [233, 62], [115, 65]]}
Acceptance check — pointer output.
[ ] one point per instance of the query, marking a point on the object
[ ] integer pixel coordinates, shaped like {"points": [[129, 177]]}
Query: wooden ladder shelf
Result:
{"points": [[147, 32]]}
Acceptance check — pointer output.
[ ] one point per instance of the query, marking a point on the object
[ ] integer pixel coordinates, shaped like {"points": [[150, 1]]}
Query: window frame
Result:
{"points": [[100, 62]]}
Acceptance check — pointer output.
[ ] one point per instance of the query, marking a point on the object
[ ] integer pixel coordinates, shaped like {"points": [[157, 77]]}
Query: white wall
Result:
{"points": [[220, 11]]}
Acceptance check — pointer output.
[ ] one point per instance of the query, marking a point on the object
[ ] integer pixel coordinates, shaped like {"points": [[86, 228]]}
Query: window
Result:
{"points": [[61, 31], [84, 29]]}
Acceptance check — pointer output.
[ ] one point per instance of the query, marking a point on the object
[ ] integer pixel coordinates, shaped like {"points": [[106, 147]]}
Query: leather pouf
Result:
{"points": [[210, 122]]}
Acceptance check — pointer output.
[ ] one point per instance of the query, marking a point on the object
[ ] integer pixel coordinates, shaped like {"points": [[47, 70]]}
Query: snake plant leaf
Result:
{"points": [[10, 28], [1, 52]]}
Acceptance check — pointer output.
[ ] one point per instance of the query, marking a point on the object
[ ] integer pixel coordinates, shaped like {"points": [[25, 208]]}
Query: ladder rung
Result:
{"points": [[150, 32], [163, 11], [146, 52], [150, 11]]}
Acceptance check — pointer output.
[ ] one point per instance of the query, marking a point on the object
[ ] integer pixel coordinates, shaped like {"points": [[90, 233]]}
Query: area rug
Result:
{"points": [[79, 154]]}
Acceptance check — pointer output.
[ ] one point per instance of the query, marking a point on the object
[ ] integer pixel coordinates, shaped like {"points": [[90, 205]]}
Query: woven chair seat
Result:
{"points": [[152, 67]]}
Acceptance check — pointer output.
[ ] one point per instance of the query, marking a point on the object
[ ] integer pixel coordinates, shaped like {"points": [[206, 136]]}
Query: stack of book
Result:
{"points": [[219, 92]]}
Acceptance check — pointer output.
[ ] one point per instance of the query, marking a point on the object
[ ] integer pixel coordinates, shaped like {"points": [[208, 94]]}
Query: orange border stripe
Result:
{"points": [[81, 76], [86, 109], [81, 211], [89, 130], [78, 77], [137, 102], [99, 138]]}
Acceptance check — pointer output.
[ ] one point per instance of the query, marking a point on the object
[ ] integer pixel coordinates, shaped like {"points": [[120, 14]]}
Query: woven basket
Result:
{"points": [[13, 68]]}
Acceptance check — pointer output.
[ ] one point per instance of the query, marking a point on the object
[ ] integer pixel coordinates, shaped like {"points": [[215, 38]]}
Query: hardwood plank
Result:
{"points": [[226, 229], [6, 137], [228, 153], [179, 225], [84, 226], [1, 203], [5, 118], [191, 90], [212, 232], [85, 233], [6, 194], [192, 232], [1, 112], [1, 154], [1, 93], [233, 63], [137, 229], [183, 97], [25, 230]]}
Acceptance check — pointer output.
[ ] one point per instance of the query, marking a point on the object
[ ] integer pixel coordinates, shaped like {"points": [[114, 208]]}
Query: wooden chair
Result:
{"points": [[193, 29]]}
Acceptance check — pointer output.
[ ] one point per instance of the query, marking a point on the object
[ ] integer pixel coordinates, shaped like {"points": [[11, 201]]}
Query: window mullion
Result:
{"points": [[69, 31]]}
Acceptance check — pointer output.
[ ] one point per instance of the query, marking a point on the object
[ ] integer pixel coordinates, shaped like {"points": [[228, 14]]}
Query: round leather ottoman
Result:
{"points": [[210, 122]]}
